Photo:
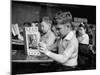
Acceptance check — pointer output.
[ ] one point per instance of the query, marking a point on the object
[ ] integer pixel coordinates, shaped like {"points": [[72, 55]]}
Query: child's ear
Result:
{"points": [[85, 29], [50, 25]]}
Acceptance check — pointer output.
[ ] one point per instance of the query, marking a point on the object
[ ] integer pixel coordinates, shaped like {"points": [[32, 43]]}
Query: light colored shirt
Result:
{"points": [[48, 39], [69, 48], [68, 51], [84, 39]]}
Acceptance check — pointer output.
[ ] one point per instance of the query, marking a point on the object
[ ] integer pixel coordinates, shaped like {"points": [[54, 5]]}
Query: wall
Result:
{"points": [[23, 12]]}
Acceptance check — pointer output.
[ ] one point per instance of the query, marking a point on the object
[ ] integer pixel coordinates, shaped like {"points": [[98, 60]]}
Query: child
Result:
{"points": [[48, 36], [84, 51], [83, 36]]}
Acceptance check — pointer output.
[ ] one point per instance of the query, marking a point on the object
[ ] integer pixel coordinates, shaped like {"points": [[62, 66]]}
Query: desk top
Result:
{"points": [[17, 42], [19, 56]]}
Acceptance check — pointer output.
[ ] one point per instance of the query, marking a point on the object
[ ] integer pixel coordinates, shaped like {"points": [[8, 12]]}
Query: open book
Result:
{"points": [[15, 31]]}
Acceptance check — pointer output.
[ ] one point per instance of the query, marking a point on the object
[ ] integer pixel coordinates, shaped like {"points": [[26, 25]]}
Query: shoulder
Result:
{"points": [[73, 41], [52, 34], [85, 35], [85, 39]]}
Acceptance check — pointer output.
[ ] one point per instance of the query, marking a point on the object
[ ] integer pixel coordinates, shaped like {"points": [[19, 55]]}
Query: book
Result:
{"points": [[32, 38], [16, 31]]}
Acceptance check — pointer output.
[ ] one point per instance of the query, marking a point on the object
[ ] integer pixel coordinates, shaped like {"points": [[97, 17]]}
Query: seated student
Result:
{"points": [[48, 36], [25, 24], [84, 50], [35, 23], [67, 46], [83, 36]]}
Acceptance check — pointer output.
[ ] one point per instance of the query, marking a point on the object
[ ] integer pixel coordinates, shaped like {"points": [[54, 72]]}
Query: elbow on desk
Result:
{"points": [[62, 60]]}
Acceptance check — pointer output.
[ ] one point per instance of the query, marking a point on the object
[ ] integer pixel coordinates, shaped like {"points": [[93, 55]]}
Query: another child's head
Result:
{"points": [[63, 17], [35, 23], [27, 24], [82, 29], [46, 24]]}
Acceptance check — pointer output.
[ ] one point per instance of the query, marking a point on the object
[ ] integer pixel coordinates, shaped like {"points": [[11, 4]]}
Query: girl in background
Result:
{"points": [[84, 57], [83, 37]]}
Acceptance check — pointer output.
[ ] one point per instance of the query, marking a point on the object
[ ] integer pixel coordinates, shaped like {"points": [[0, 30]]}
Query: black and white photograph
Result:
{"points": [[32, 38], [52, 37], [32, 41]]}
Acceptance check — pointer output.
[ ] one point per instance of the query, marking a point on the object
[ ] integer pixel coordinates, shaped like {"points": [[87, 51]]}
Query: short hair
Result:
{"points": [[35, 21], [83, 25], [47, 19], [27, 24], [64, 17]]}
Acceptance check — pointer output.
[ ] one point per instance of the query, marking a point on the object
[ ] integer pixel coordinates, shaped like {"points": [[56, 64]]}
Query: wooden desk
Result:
{"points": [[20, 57], [22, 63], [17, 42]]}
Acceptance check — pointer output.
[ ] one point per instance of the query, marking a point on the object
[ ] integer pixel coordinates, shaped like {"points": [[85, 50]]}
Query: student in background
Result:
{"points": [[35, 23], [25, 24], [83, 36], [84, 49], [48, 36]]}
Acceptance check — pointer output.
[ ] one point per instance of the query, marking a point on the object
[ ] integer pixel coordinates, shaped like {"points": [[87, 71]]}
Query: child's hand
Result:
{"points": [[42, 47]]}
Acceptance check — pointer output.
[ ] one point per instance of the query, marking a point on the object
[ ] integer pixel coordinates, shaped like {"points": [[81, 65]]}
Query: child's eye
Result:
{"points": [[58, 28]]}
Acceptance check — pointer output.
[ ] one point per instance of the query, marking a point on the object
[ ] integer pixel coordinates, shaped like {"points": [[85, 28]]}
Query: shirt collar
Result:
{"points": [[69, 36], [47, 34]]}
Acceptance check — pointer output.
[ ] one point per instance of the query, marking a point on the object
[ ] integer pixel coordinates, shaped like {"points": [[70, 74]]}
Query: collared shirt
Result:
{"points": [[48, 38], [68, 47], [84, 39]]}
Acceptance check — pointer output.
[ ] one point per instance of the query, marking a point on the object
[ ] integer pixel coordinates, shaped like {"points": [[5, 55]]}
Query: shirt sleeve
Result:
{"points": [[85, 39], [68, 51], [50, 41], [62, 58], [53, 47]]}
